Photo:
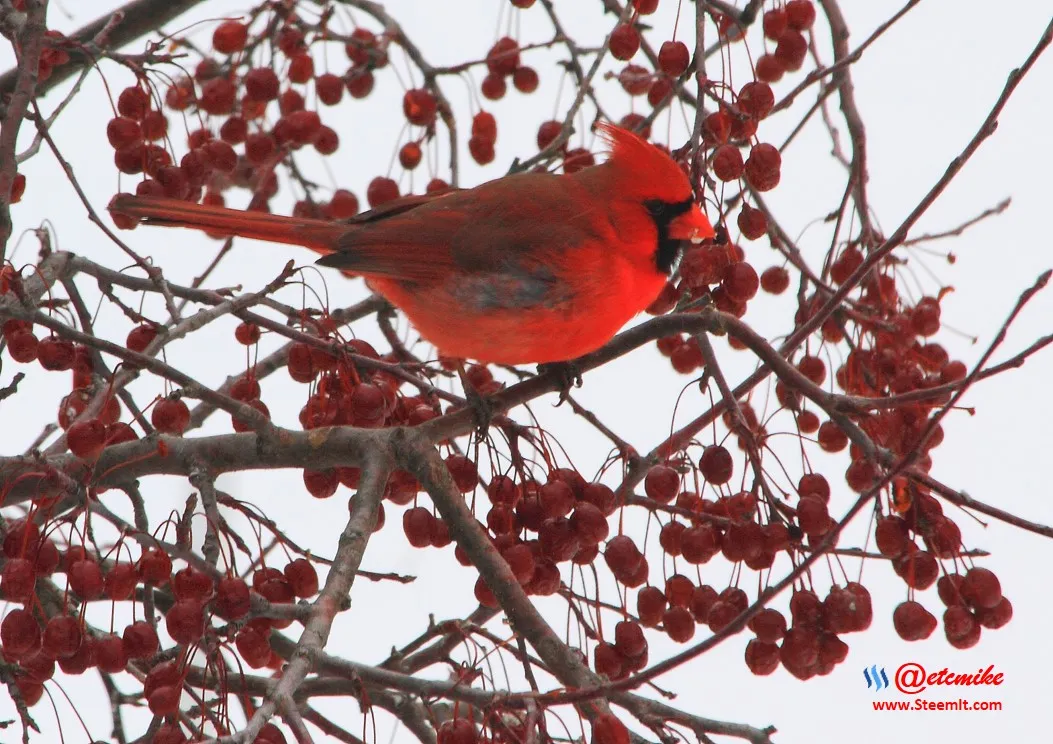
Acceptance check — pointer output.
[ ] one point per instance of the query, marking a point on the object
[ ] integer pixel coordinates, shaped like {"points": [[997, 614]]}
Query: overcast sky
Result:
{"points": [[923, 90]]}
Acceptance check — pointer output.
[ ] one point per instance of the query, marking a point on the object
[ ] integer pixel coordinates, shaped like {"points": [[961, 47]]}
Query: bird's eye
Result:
{"points": [[663, 212]]}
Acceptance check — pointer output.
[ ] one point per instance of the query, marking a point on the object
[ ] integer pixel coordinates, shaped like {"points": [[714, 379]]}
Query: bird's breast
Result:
{"points": [[527, 313]]}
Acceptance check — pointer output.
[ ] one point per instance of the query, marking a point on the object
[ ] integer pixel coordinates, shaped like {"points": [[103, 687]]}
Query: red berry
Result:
{"points": [[525, 79], [624, 41], [997, 616], [342, 205], [769, 625], [122, 131], [18, 580], [650, 605], [217, 96], [420, 107], [679, 624], [140, 640], [164, 701], [769, 68], [716, 464], [170, 416], [791, 49], [831, 437], [774, 21], [436, 186], [247, 334], [662, 484], [800, 14], [230, 37], [85, 578], [607, 729], [259, 147], [913, 622], [232, 601], [86, 438], [503, 57], [752, 222], [673, 58], [660, 89], [180, 94], [981, 588], [185, 621], [741, 281], [110, 655], [321, 483], [154, 125], [756, 99], [189, 583], [716, 128], [727, 163], [120, 581], [303, 578], [577, 159], [917, 568], [493, 87], [762, 657], [330, 88], [261, 84], [410, 155], [482, 150], [359, 82], [62, 637], [547, 133], [221, 156], [22, 345], [381, 190], [301, 68], [155, 567], [133, 102], [19, 633], [775, 280], [763, 167]]}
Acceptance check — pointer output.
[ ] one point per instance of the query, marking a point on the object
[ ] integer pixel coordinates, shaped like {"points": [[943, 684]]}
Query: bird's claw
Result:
{"points": [[567, 373], [481, 407]]}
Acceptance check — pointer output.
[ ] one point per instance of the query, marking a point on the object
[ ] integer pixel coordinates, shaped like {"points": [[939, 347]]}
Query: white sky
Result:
{"points": [[923, 89]]}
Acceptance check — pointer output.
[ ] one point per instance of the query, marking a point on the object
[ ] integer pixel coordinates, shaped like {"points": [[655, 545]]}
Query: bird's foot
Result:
{"points": [[481, 407], [567, 373]]}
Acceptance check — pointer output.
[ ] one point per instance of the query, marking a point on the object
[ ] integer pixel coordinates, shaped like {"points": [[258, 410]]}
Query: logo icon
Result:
{"points": [[876, 678]]}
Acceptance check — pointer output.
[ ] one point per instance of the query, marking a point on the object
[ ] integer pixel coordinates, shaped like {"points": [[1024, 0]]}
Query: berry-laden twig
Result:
{"points": [[350, 549]]}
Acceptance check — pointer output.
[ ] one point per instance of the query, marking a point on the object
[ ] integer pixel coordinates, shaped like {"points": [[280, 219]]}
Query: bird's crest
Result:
{"points": [[654, 173]]}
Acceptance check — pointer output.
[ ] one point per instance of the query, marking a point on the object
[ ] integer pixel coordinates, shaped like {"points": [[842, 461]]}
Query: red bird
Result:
{"points": [[528, 268]]}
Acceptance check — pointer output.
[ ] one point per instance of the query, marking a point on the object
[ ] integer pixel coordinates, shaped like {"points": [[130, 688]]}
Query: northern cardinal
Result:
{"points": [[528, 268]]}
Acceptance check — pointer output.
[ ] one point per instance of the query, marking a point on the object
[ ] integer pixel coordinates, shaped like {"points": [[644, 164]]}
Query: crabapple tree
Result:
{"points": [[593, 575]]}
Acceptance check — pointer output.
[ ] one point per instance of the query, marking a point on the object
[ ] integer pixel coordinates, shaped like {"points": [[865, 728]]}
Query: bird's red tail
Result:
{"points": [[318, 235]]}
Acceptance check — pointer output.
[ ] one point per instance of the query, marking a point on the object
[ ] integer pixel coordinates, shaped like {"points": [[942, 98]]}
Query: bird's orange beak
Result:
{"points": [[692, 225]]}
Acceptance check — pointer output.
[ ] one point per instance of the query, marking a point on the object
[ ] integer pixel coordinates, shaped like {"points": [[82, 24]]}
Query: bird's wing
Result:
{"points": [[495, 226]]}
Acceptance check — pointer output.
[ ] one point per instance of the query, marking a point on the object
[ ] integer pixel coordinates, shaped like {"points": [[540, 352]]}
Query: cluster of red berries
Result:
{"points": [[36, 642], [86, 437], [232, 98], [785, 26], [503, 62]]}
